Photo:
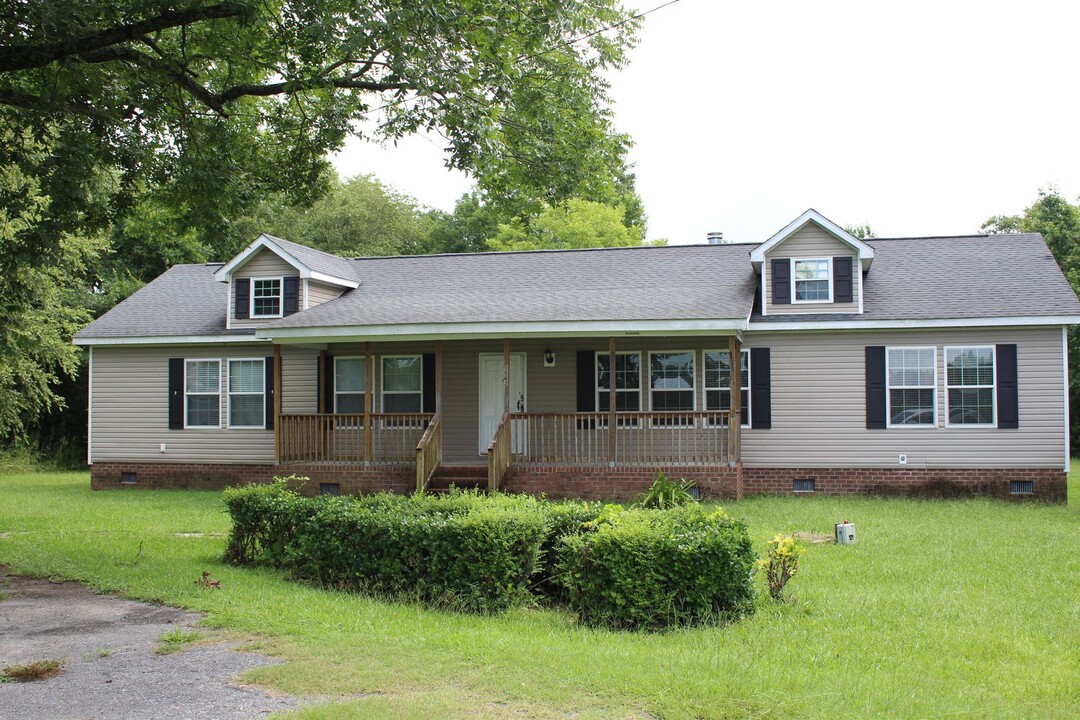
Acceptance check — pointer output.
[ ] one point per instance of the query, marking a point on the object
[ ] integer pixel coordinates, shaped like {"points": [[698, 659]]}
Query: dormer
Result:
{"points": [[812, 266], [273, 278]]}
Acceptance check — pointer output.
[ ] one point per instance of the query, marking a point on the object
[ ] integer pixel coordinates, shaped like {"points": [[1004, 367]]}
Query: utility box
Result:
{"points": [[845, 533]]}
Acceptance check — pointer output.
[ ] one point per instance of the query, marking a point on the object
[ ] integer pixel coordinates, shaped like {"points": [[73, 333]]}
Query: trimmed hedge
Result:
{"points": [[478, 553], [650, 569]]}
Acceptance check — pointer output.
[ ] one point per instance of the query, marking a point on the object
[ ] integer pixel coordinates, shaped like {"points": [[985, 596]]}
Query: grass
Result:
{"points": [[176, 640], [942, 609], [40, 670]]}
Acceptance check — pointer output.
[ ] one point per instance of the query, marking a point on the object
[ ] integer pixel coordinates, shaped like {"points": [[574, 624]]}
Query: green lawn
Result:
{"points": [[942, 609]]}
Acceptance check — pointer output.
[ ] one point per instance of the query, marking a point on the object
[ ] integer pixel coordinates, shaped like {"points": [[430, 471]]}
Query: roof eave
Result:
{"points": [[224, 273], [866, 253]]}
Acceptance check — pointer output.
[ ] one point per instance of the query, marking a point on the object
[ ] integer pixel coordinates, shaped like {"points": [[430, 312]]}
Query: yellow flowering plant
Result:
{"points": [[781, 564]]}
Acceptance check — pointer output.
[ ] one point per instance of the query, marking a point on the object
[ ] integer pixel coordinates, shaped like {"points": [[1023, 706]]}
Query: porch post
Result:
{"points": [[369, 387], [735, 390], [506, 375], [612, 397], [277, 403], [438, 376]]}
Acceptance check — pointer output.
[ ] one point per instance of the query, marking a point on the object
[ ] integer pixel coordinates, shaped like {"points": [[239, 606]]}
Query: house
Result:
{"points": [[864, 365]]}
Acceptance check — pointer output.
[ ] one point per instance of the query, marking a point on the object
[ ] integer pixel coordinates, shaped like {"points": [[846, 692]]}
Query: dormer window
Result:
{"points": [[812, 280], [266, 298]]}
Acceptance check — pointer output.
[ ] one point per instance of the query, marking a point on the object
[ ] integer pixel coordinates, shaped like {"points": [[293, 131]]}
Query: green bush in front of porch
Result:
{"points": [[481, 553]]}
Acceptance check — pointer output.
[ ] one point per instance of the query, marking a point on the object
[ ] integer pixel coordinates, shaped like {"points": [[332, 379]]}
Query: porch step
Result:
{"points": [[465, 477]]}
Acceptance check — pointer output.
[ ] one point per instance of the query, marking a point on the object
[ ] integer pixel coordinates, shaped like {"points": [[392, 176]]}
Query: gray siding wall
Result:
{"points": [[264, 264], [811, 242], [819, 405], [318, 293], [131, 407]]}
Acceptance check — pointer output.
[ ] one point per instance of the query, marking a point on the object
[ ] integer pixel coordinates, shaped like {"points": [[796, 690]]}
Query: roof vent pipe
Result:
{"points": [[716, 237]]}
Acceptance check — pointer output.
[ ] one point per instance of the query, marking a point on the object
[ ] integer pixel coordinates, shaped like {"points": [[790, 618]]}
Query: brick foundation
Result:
{"points": [[606, 483], [193, 476], [1049, 484], [594, 482]]}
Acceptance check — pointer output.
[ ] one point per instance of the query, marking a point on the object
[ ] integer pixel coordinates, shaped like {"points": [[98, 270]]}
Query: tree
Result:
{"points": [[467, 229], [862, 232], [1058, 221], [574, 224], [221, 101]]}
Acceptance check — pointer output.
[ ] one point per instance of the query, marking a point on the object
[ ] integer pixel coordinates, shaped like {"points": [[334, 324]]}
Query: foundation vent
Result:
{"points": [[129, 478], [803, 485], [1022, 487], [329, 488]]}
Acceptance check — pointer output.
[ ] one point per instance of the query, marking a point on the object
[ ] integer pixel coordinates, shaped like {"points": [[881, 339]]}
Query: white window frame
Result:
{"points": [[794, 280], [187, 426], [383, 392], [744, 421], [367, 382], [229, 393], [693, 389], [889, 388], [614, 383], [281, 297], [993, 387]]}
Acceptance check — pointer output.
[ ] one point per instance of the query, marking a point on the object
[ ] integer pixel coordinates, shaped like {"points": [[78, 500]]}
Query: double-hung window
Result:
{"points": [[718, 383], [911, 378], [627, 383], [671, 384], [813, 280], [202, 393], [247, 394], [969, 385], [265, 297], [350, 384], [402, 383]]}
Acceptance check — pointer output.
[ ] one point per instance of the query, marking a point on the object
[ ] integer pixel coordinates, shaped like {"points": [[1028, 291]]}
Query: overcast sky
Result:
{"points": [[919, 118]]}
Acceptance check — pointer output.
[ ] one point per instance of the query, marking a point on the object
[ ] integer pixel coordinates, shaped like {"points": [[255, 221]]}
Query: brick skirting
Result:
{"points": [[352, 479], [605, 483], [1048, 484], [593, 482]]}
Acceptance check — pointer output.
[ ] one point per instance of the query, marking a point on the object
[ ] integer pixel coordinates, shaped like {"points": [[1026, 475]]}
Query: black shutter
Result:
{"points": [[1008, 396], [290, 295], [781, 281], [875, 387], [760, 389], [842, 285], [242, 299], [328, 386], [586, 381], [429, 383], [318, 379], [176, 393], [268, 397]]}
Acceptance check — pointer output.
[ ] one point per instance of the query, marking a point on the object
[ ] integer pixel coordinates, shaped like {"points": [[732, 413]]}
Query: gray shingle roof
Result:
{"points": [[317, 260], [977, 277], [974, 276], [184, 300], [645, 283]]}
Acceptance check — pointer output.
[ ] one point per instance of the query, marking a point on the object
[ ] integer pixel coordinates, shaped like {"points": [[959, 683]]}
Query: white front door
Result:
{"points": [[491, 394]]}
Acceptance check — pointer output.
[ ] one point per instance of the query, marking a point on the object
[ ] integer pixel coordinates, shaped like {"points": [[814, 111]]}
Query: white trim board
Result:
{"points": [[169, 340], [866, 253], [224, 273], [812, 325]]}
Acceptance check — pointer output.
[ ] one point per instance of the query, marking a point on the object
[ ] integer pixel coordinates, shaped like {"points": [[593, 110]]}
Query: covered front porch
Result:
{"points": [[517, 407]]}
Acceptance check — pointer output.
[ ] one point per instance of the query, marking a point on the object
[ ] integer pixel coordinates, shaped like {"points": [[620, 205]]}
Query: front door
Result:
{"points": [[491, 395]]}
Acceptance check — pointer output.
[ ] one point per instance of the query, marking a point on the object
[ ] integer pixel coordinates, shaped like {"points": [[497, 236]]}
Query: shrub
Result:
{"points": [[665, 493], [781, 564], [456, 552], [564, 518], [651, 569], [264, 520]]}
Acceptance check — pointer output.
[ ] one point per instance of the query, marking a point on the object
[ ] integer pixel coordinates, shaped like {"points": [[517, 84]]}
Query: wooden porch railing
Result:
{"points": [[429, 453], [499, 454], [338, 438], [677, 438]]}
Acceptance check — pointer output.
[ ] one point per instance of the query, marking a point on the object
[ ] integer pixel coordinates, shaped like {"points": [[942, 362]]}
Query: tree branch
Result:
{"points": [[25, 56]]}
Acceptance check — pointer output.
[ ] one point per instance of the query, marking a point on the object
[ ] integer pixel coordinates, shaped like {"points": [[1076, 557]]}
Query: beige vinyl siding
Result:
{"points": [[819, 404], [808, 243], [131, 405], [318, 293], [263, 264]]}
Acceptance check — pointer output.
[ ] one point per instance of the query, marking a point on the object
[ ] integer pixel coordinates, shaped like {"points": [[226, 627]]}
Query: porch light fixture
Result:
{"points": [[549, 358]]}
